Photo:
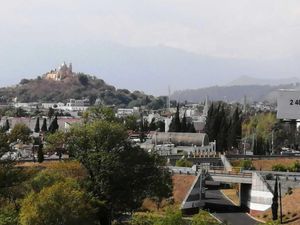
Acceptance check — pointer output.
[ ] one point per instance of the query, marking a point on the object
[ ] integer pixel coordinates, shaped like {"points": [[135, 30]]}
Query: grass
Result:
{"points": [[232, 195]]}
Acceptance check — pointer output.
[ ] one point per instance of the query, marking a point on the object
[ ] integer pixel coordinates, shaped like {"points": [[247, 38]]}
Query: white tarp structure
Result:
{"points": [[288, 104]]}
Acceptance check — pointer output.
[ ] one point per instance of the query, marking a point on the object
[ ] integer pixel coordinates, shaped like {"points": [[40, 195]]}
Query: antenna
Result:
{"points": [[169, 98]]}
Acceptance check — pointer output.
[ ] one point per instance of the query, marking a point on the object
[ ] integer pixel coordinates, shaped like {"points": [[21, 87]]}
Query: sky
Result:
{"points": [[37, 35]]}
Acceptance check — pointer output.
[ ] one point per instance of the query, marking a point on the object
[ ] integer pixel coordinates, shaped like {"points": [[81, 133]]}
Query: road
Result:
{"points": [[226, 211]]}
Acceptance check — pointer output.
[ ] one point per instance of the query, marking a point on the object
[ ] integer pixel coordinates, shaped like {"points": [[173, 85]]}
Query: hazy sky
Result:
{"points": [[260, 30]]}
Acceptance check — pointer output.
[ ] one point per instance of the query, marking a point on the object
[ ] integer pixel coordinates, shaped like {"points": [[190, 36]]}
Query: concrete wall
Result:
{"points": [[245, 195], [261, 195]]}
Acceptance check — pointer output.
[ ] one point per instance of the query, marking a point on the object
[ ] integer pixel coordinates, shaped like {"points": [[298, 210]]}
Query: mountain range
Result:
{"points": [[151, 69]]}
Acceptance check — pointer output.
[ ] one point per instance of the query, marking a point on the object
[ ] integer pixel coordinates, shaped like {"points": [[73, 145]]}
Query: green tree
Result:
{"points": [[131, 123], [40, 153], [235, 129], [6, 126], [37, 125], [183, 125], [275, 201], [111, 162], [53, 126], [51, 112], [20, 132], [4, 145], [61, 203], [55, 141], [44, 126], [175, 125]]}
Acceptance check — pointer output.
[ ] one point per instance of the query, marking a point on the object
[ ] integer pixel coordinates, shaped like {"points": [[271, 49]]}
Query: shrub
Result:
{"points": [[184, 163], [279, 167], [246, 164], [203, 218]]}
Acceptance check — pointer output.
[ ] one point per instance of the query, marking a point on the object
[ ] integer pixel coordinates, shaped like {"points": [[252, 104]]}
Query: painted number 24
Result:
{"points": [[296, 102]]}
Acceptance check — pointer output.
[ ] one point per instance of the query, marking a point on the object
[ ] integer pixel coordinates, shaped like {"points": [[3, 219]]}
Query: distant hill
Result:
{"points": [[232, 93], [77, 87], [247, 80]]}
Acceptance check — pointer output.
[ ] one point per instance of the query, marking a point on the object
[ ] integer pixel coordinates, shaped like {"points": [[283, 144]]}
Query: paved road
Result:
{"points": [[224, 210]]}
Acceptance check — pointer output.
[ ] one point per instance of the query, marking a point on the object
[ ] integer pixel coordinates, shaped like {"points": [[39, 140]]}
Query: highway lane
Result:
{"points": [[226, 211]]}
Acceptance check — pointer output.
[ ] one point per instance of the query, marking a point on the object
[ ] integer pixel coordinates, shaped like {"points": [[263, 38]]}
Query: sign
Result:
{"points": [[288, 104]]}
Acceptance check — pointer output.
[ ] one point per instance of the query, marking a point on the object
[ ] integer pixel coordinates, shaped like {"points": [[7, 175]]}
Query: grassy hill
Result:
{"points": [[77, 87]]}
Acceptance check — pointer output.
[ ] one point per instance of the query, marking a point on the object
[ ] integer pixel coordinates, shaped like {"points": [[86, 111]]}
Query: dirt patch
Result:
{"points": [[267, 164], [291, 209], [181, 186]]}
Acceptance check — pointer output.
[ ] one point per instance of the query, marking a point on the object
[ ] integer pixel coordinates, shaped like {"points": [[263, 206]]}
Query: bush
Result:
{"points": [[246, 164], [203, 218], [184, 163], [279, 167]]}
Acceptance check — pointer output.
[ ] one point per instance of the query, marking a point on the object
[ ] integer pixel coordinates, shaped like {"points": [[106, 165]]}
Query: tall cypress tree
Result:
{"points": [[6, 126], [54, 125], [44, 126], [235, 129], [275, 201], [40, 154], [37, 125], [183, 125], [175, 124]]}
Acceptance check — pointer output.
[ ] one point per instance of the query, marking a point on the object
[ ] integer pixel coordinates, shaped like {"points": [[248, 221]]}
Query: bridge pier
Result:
{"points": [[245, 196]]}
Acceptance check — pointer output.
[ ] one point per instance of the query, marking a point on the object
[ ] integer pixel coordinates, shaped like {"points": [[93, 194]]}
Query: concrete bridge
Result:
{"points": [[255, 187]]}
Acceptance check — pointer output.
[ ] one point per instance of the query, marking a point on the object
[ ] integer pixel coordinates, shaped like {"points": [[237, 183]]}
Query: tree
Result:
{"points": [[61, 203], [175, 125], [131, 123], [275, 201], [83, 79], [44, 126], [37, 125], [40, 153], [51, 112], [112, 162], [183, 125], [4, 146], [55, 142], [235, 129], [6, 126], [53, 126], [11, 179], [20, 132]]}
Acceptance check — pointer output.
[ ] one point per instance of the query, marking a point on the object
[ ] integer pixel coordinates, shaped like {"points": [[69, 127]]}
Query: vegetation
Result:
{"points": [[78, 87], [183, 125], [20, 132], [224, 126], [246, 165], [295, 167], [172, 217], [184, 163]]}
